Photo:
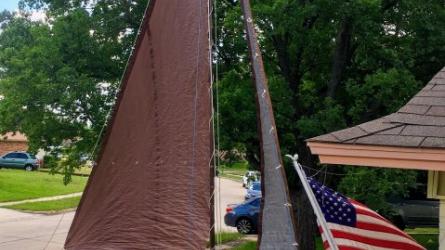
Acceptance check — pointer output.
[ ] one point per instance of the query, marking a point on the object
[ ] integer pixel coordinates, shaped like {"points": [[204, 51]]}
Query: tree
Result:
{"points": [[330, 64], [59, 77], [342, 63]]}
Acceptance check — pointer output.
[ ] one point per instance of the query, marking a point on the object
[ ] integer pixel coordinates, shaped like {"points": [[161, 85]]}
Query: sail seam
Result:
{"points": [[195, 106]]}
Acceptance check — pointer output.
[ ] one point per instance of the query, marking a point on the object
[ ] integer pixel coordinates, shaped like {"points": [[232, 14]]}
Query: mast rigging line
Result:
{"points": [[119, 87], [215, 116]]}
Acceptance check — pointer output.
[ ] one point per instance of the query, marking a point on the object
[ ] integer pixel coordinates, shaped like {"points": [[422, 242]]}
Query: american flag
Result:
{"points": [[356, 227]]}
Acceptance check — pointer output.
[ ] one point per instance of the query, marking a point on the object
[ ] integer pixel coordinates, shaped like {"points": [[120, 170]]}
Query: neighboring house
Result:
{"points": [[13, 141]]}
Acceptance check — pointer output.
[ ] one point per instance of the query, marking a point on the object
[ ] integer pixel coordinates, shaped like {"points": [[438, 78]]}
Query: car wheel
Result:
{"points": [[244, 226], [29, 168], [398, 222]]}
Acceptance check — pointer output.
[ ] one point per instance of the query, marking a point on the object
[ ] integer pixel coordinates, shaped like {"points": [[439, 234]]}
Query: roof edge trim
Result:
{"points": [[379, 156]]}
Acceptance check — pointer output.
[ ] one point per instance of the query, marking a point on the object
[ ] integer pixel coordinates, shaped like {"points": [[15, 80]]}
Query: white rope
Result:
{"points": [[212, 124], [218, 163], [214, 78], [119, 88]]}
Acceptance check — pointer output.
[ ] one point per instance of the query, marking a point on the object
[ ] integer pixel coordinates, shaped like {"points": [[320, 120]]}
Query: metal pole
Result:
{"points": [[277, 227], [314, 203]]}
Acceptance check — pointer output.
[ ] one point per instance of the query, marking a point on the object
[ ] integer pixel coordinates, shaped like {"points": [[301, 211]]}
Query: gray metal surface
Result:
{"points": [[277, 229]]}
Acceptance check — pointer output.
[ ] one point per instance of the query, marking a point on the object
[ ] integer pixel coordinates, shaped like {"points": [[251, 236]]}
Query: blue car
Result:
{"points": [[254, 190], [244, 216]]}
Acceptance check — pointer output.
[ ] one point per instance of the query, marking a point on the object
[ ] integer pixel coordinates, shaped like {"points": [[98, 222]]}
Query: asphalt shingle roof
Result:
{"points": [[420, 123]]}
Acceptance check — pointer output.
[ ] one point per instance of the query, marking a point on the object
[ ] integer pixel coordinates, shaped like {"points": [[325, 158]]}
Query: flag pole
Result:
{"points": [[313, 201]]}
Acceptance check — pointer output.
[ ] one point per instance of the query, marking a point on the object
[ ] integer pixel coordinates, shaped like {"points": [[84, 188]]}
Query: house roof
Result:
{"points": [[418, 124], [13, 136]]}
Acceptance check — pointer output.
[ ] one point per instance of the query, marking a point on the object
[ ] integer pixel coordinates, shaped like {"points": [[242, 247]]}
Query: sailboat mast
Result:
{"points": [[277, 230]]}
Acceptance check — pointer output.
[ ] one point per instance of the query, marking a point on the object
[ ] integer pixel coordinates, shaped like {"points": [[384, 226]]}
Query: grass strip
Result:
{"points": [[16, 185], [47, 206], [429, 241]]}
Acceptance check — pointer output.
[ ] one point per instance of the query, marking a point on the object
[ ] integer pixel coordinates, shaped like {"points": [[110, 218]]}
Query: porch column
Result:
{"points": [[442, 225]]}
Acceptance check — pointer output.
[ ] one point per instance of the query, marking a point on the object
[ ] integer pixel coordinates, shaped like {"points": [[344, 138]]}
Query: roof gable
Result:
{"points": [[420, 123]]}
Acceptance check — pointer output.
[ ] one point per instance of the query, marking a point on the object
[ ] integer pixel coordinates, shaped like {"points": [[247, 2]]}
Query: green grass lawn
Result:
{"points": [[224, 237], [47, 206], [18, 185], [233, 171], [429, 241], [250, 245], [86, 171]]}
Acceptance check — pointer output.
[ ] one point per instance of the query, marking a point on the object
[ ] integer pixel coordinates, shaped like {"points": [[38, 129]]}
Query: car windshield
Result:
{"points": [[256, 186], [32, 156]]}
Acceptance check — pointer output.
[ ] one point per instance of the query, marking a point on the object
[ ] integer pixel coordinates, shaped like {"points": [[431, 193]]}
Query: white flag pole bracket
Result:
{"points": [[314, 203]]}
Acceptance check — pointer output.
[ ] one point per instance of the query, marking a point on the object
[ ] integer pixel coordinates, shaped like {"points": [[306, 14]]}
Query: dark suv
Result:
{"points": [[20, 160], [415, 210]]}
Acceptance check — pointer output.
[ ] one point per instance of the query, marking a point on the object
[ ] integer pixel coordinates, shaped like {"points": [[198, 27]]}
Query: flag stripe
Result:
{"points": [[370, 213], [374, 234], [381, 228], [361, 209], [366, 233], [375, 242], [370, 219], [354, 226], [378, 236]]}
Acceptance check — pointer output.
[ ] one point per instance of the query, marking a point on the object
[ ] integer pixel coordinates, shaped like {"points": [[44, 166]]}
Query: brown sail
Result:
{"points": [[151, 186], [277, 223]]}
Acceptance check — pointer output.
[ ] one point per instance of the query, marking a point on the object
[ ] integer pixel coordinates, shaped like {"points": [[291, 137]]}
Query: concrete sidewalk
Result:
{"points": [[52, 198], [33, 231]]}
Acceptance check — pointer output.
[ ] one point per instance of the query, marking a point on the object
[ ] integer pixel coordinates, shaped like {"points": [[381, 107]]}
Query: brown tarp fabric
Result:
{"points": [[277, 223], [151, 187]]}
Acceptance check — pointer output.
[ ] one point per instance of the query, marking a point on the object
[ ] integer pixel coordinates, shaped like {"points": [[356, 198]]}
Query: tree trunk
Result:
{"points": [[304, 217], [306, 228], [342, 55]]}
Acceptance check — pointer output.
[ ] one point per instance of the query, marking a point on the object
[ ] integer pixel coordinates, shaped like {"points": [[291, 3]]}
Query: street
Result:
{"points": [[26, 231]]}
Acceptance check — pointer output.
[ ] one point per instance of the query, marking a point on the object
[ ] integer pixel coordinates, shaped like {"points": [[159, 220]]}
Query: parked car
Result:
{"points": [[254, 190], [416, 213], [416, 210], [249, 177], [20, 160], [244, 216]]}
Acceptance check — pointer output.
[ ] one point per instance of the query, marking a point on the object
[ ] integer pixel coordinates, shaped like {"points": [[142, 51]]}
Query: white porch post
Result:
{"points": [[442, 225]]}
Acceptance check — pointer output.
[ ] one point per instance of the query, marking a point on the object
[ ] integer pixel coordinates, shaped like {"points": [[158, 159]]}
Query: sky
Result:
{"points": [[8, 4]]}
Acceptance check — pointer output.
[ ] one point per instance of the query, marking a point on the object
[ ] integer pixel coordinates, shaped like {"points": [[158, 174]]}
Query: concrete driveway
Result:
{"points": [[24, 231]]}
